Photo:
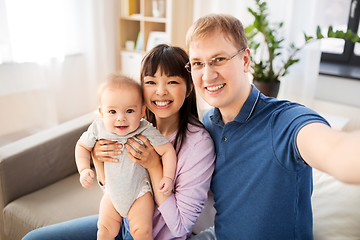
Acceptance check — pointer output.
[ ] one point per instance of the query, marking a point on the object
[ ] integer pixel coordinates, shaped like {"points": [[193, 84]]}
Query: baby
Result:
{"points": [[128, 191]]}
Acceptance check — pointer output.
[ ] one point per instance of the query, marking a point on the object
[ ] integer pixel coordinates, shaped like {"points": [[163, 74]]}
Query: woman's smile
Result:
{"points": [[162, 103]]}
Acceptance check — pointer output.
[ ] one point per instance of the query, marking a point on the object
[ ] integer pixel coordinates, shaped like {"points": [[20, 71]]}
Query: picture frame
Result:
{"points": [[156, 38], [139, 42]]}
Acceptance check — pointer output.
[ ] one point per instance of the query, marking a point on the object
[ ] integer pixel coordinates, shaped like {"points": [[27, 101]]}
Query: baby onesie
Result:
{"points": [[125, 181]]}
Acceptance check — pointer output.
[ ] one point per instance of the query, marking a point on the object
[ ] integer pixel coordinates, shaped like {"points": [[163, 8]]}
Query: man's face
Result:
{"points": [[220, 86]]}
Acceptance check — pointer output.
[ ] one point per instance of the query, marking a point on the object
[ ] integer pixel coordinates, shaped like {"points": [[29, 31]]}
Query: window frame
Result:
{"points": [[347, 59], [348, 56]]}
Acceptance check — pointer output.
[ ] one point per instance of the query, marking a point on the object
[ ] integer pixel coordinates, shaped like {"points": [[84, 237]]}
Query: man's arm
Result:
{"points": [[334, 152]]}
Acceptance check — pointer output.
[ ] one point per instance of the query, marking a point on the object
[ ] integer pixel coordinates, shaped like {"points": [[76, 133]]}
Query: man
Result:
{"points": [[262, 182]]}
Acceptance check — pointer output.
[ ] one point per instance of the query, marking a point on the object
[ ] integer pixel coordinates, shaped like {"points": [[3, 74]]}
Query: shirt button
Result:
{"points": [[224, 139]]}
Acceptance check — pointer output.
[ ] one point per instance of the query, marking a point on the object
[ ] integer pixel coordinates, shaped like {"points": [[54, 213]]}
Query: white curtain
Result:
{"points": [[52, 56], [301, 16]]}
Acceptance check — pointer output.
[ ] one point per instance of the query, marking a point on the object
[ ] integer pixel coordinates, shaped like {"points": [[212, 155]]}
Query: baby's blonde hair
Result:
{"points": [[117, 80]]}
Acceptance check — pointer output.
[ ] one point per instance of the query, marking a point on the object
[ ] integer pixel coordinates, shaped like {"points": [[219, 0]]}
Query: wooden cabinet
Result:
{"points": [[142, 24]]}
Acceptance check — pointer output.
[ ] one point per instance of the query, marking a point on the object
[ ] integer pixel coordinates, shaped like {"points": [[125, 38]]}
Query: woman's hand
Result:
{"points": [[146, 155], [105, 150]]}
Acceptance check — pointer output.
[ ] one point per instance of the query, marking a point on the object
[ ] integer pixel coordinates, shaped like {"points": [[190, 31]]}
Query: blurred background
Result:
{"points": [[54, 53]]}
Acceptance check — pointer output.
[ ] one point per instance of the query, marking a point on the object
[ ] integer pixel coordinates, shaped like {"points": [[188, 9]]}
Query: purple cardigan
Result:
{"points": [[175, 218]]}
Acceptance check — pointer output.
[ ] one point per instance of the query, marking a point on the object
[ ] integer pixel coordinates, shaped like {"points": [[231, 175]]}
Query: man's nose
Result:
{"points": [[208, 72]]}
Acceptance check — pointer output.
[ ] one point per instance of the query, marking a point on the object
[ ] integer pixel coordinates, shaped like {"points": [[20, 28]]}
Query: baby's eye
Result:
{"points": [[112, 111], [130, 111]]}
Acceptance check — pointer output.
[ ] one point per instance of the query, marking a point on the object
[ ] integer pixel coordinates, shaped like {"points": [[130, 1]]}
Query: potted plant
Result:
{"points": [[263, 70]]}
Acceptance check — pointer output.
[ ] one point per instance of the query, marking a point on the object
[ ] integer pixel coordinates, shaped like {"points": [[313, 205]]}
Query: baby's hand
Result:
{"points": [[166, 185], [87, 178]]}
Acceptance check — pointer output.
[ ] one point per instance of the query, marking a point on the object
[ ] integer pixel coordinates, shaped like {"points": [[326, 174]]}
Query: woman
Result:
{"points": [[170, 99]]}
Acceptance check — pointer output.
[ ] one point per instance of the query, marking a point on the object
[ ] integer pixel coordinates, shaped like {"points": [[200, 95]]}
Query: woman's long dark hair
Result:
{"points": [[171, 61]]}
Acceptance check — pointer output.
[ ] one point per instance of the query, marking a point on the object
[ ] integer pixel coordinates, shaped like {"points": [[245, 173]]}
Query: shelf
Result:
{"points": [[145, 19], [173, 21], [132, 18], [155, 19]]}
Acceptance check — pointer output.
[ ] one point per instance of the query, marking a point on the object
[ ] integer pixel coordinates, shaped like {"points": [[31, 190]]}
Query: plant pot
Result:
{"points": [[270, 89]]}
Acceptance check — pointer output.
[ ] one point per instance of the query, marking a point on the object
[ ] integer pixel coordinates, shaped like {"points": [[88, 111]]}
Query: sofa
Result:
{"points": [[39, 182], [39, 185]]}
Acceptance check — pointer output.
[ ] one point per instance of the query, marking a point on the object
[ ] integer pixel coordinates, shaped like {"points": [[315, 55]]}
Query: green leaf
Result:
{"points": [[348, 35], [331, 33], [355, 38], [252, 12], [339, 34], [249, 29], [318, 33], [307, 38]]}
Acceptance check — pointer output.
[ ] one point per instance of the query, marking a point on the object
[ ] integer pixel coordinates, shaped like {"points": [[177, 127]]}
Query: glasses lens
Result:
{"points": [[219, 61]]}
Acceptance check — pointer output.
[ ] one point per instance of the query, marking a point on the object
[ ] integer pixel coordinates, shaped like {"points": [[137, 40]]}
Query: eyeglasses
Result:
{"points": [[217, 62]]}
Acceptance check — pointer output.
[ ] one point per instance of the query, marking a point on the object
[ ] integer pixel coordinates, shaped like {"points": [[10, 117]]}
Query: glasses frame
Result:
{"points": [[211, 62]]}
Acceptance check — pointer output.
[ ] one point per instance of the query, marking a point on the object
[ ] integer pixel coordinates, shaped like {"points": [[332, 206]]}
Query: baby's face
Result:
{"points": [[121, 109]]}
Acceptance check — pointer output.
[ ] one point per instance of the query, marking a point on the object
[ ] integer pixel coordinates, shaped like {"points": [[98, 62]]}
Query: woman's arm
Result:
{"points": [[192, 182], [195, 167]]}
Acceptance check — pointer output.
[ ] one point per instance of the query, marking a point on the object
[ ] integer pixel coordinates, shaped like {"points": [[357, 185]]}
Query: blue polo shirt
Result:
{"points": [[262, 187]]}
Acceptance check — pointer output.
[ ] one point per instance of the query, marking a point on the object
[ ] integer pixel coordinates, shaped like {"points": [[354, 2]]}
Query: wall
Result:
{"points": [[50, 95], [339, 90], [340, 97]]}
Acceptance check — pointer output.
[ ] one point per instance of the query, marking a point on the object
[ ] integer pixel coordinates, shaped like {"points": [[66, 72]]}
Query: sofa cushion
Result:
{"points": [[336, 208], [61, 201], [41, 159]]}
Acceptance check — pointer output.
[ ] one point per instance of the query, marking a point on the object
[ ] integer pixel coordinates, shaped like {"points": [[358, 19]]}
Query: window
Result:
{"points": [[38, 30], [338, 57]]}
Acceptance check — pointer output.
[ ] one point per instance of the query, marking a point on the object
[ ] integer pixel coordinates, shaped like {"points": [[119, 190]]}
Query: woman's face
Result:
{"points": [[164, 95]]}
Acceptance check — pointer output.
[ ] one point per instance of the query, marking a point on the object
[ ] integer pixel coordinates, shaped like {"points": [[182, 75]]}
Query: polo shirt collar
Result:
{"points": [[245, 112]]}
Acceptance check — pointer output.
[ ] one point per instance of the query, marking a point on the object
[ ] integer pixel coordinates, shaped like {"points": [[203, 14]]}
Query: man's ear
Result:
{"points": [[247, 60]]}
